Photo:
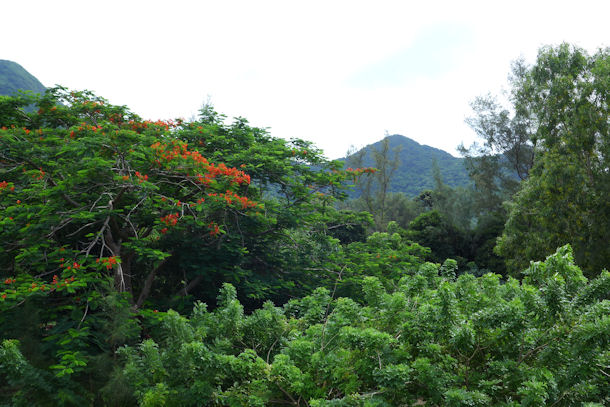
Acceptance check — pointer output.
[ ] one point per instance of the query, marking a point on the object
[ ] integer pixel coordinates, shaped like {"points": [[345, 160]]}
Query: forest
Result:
{"points": [[208, 263]]}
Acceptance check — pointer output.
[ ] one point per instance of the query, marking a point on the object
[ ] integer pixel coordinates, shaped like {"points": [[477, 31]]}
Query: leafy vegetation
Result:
{"points": [[202, 262], [566, 194], [431, 338]]}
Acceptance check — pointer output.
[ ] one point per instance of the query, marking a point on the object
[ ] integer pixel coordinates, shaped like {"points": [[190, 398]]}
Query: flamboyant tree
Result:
{"points": [[90, 189], [103, 213]]}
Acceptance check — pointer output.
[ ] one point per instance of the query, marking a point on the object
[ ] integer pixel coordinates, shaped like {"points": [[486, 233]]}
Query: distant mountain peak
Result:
{"points": [[406, 141], [415, 172], [13, 77]]}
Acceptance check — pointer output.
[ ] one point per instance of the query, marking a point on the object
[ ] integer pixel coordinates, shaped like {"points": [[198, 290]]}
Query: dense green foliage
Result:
{"points": [[461, 222], [14, 78], [565, 198], [113, 229], [448, 220], [430, 338]]}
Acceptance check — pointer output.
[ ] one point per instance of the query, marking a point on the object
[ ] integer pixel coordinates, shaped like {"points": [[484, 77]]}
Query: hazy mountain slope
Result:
{"points": [[14, 77], [417, 161]]}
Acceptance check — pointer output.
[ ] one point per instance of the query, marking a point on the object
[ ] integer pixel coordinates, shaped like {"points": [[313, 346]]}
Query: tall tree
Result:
{"points": [[103, 215], [565, 199], [506, 154], [374, 188]]}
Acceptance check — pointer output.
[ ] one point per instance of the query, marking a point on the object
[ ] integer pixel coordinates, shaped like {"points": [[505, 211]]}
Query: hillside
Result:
{"points": [[14, 77], [417, 161]]}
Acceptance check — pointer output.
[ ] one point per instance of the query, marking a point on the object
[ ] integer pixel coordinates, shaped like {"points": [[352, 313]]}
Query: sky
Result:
{"points": [[337, 73]]}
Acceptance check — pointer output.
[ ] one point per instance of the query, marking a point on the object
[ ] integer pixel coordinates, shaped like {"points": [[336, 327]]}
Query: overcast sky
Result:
{"points": [[338, 73]]}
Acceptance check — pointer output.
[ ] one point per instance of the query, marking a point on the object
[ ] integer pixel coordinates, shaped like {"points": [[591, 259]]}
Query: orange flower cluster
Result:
{"points": [[115, 118], [40, 175], [169, 152], [91, 103], [231, 197], [144, 125], [236, 176], [56, 284], [295, 152], [74, 265], [214, 229], [359, 171], [109, 262], [141, 178], [166, 124], [171, 219], [85, 126], [177, 150], [9, 281], [4, 185]]}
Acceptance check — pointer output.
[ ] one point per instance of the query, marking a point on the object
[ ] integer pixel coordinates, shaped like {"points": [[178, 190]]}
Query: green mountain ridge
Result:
{"points": [[415, 172], [13, 77]]}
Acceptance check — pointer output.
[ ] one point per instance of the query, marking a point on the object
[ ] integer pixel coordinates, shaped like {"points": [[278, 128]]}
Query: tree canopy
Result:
{"points": [[565, 198], [104, 214]]}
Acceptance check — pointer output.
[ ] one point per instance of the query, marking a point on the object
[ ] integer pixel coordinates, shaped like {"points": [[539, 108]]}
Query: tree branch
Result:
{"points": [[148, 285], [185, 290]]}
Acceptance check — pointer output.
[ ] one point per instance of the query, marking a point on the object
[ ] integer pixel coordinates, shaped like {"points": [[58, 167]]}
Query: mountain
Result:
{"points": [[416, 170], [14, 77]]}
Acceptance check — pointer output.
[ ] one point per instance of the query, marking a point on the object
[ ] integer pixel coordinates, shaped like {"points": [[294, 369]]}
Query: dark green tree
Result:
{"points": [[432, 229], [507, 150], [565, 199], [419, 336]]}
